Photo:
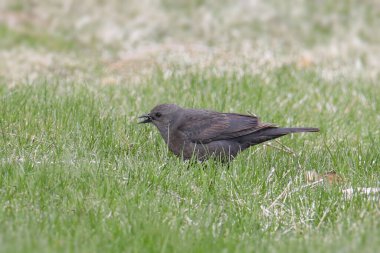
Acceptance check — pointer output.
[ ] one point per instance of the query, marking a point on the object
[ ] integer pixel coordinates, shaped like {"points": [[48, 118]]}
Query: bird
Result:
{"points": [[203, 134]]}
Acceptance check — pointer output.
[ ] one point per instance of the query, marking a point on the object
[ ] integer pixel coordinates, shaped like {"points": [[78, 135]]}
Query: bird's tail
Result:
{"points": [[271, 133], [287, 130]]}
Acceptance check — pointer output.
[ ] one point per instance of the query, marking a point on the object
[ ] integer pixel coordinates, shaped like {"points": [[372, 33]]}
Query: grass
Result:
{"points": [[78, 174]]}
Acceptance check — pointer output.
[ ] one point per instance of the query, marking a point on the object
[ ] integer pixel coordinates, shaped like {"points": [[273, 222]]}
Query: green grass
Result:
{"points": [[79, 175]]}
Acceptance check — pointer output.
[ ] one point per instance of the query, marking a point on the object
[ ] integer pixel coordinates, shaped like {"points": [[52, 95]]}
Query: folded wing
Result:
{"points": [[207, 126]]}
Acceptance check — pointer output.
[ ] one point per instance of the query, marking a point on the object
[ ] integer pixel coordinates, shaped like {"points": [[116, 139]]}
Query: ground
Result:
{"points": [[78, 174]]}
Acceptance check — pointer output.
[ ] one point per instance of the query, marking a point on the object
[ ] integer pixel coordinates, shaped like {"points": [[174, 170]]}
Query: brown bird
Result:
{"points": [[204, 134]]}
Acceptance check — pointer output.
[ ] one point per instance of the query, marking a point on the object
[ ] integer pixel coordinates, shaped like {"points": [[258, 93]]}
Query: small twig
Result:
{"points": [[285, 149], [288, 150], [279, 148]]}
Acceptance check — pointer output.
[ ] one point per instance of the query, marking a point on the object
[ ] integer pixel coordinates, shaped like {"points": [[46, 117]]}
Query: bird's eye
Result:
{"points": [[157, 114]]}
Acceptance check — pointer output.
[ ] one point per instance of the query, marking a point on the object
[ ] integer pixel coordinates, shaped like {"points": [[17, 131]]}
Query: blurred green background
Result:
{"points": [[114, 41]]}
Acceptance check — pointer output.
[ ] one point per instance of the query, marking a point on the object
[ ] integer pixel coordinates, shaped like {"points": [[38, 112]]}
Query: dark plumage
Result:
{"points": [[205, 134]]}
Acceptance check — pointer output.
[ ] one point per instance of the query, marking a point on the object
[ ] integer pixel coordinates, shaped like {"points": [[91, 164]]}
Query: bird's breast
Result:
{"points": [[179, 144]]}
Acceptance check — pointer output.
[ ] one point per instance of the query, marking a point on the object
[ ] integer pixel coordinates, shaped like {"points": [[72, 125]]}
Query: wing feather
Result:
{"points": [[202, 126]]}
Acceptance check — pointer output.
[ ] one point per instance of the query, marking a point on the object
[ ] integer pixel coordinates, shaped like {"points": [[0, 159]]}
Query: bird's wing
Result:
{"points": [[207, 126]]}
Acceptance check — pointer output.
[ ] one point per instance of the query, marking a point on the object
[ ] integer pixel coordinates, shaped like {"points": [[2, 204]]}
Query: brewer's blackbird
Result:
{"points": [[204, 134]]}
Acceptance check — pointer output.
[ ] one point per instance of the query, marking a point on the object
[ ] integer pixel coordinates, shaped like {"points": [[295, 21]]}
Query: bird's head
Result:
{"points": [[161, 115]]}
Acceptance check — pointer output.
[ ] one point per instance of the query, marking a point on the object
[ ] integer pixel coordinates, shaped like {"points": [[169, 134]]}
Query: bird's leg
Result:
{"points": [[188, 164], [227, 164]]}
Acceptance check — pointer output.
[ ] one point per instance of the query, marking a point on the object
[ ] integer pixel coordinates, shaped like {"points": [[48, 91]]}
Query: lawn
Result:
{"points": [[78, 174]]}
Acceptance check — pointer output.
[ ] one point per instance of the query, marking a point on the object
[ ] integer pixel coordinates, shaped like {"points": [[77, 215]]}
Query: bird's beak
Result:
{"points": [[146, 118]]}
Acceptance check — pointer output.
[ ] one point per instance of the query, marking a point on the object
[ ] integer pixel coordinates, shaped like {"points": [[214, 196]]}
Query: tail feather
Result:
{"points": [[268, 134], [288, 130]]}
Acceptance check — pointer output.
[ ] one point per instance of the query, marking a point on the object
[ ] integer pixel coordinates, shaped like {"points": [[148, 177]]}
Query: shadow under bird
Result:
{"points": [[203, 134]]}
